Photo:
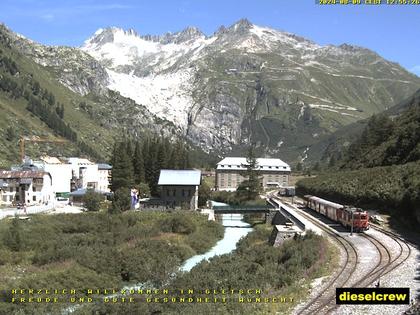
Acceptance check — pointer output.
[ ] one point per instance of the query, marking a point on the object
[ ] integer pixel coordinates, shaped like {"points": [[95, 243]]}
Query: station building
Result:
{"points": [[230, 172]]}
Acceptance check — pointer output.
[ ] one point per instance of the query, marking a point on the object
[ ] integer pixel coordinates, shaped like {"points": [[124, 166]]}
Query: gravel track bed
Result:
{"points": [[403, 276]]}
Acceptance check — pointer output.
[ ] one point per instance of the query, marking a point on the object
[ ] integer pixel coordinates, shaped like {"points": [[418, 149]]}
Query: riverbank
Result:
{"points": [[96, 250], [253, 279]]}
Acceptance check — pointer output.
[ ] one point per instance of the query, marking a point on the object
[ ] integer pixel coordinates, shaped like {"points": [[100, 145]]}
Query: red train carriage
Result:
{"points": [[339, 213]]}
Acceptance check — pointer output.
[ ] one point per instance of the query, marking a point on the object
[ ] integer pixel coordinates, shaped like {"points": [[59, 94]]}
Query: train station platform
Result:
{"points": [[292, 213]]}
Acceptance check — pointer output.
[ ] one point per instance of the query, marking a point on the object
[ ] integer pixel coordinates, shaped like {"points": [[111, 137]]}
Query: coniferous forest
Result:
{"points": [[139, 162], [380, 169]]}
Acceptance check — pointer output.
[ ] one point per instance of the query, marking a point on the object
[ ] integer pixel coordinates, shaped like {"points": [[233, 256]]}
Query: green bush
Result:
{"points": [[121, 201], [178, 224], [92, 200]]}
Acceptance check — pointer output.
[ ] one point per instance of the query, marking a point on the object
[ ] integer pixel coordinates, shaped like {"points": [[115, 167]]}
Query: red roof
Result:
{"points": [[22, 174]]}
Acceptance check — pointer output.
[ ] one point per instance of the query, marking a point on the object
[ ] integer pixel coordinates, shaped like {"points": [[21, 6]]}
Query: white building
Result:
{"points": [[104, 178], [230, 172], [87, 174], [61, 174], [26, 187]]}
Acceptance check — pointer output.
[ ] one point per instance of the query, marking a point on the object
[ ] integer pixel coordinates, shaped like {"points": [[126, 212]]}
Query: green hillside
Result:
{"points": [[33, 103], [395, 189], [386, 156], [374, 141], [386, 140]]}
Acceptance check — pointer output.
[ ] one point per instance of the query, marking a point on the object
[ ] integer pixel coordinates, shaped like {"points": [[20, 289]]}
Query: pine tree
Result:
{"points": [[122, 168], [138, 164], [161, 156], [152, 172], [121, 201], [251, 187], [176, 156]]}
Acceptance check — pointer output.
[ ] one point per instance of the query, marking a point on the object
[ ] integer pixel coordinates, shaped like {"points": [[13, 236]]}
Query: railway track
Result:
{"points": [[389, 264], [324, 301], [404, 249], [326, 297]]}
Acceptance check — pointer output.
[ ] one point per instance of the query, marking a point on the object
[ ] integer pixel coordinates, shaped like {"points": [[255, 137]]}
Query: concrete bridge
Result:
{"points": [[243, 209], [267, 212]]}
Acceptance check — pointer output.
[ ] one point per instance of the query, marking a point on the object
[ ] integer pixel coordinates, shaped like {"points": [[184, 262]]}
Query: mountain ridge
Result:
{"points": [[244, 83]]}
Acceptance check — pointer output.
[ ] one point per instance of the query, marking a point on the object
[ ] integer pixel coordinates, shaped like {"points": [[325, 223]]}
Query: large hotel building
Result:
{"points": [[230, 173]]}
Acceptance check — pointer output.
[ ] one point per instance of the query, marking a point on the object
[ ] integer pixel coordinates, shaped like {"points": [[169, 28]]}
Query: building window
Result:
{"points": [[34, 198], [33, 188], [11, 189], [17, 198], [17, 189]]}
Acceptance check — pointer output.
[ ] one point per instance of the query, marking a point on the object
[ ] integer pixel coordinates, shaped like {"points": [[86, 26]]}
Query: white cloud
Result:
{"points": [[48, 17]]}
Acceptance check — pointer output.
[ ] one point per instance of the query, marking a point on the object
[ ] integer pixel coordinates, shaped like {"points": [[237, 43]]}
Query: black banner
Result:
{"points": [[372, 296]]}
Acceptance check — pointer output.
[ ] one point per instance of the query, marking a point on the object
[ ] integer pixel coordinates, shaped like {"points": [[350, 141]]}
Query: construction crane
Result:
{"points": [[22, 141]]}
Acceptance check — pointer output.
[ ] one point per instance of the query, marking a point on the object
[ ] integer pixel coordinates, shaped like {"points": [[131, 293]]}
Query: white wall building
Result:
{"points": [[61, 174], [104, 177], [230, 172], [87, 174], [26, 187]]}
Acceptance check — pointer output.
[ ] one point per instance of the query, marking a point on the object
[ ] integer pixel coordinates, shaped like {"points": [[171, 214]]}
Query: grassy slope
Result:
{"points": [[13, 113]]}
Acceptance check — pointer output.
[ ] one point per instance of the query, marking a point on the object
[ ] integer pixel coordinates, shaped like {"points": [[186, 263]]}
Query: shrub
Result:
{"points": [[121, 201], [92, 200], [179, 224]]}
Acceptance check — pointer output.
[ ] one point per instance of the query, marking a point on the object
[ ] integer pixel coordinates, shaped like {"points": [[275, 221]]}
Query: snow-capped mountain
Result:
{"points": [[244, 82]]}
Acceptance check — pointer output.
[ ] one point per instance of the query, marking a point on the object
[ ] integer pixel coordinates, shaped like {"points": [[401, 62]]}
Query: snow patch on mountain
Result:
{"points": [[165, 95], [128, 48]]}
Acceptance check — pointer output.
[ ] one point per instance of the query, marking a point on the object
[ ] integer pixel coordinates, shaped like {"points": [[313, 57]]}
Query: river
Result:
{"points": [[235, 229]]}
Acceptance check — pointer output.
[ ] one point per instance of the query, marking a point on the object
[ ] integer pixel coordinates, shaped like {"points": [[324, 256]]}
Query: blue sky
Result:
{"points": [[392, 31]]}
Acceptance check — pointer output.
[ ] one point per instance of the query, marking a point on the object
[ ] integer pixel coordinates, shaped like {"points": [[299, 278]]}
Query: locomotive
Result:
{"points": [[339, 213]]}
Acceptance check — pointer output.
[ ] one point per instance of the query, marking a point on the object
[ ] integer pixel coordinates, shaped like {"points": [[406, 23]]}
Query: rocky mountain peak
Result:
{"points": [[242, 26], [187, 34], [107, 35]]}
